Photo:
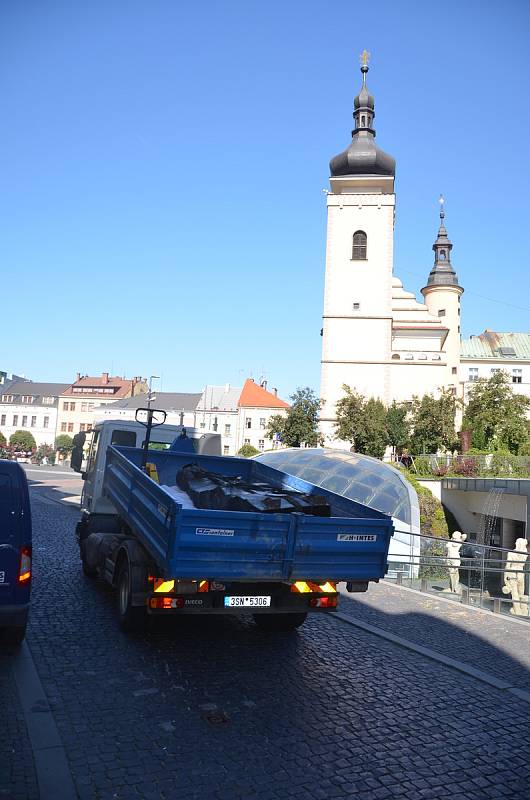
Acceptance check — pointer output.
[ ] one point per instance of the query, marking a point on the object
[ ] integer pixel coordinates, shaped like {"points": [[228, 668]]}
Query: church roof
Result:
{"points": [[495, 345], [363, 156], [442, 273]]}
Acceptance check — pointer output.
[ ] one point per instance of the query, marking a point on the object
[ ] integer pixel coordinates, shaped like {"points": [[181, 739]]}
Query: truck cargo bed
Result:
{"points": [[352, 544]]}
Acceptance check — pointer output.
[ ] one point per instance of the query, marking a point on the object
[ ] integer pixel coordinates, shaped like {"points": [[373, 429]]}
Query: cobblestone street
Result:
{"points": [[217, 709]]}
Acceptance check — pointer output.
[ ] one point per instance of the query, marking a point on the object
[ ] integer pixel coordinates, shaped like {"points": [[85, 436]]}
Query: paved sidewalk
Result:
{"points": [[17, 770], [489, 642]]}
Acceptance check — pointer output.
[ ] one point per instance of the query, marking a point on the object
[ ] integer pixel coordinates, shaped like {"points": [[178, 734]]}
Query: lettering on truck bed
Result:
{"points": [[214, 531], [356, 537]]}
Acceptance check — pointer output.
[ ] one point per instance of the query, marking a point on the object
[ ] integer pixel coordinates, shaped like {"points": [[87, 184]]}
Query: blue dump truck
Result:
{"points": [[178, 529]]}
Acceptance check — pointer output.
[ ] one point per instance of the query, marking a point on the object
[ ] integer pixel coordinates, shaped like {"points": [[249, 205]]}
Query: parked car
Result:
{"points": [[15, 552]]}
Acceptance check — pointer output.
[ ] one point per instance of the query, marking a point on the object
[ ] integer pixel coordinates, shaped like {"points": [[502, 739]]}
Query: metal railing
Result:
{"points": [[482, 574]]}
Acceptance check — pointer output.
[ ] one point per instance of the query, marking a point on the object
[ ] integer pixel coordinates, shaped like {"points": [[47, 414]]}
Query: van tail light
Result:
{"points": [[24, 573]]}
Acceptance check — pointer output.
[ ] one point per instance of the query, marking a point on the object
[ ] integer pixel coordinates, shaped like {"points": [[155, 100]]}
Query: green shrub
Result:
{"points": [[22, 442], [247, 451]]}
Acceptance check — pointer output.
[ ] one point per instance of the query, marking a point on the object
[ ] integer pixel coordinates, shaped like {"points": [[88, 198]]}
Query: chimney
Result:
{"points": [[227, 388], [78, 376], [275, 392], [105, 377], [263, 384]]}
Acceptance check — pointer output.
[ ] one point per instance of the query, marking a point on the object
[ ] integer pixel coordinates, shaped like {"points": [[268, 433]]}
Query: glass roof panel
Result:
{"points": [[361, 478]]}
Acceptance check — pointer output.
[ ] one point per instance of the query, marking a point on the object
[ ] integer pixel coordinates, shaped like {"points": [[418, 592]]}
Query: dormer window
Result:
{"points": [[359, 246]]}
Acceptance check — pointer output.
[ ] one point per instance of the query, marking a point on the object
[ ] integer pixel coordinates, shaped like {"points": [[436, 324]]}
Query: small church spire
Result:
{"points": [[442, 273]]}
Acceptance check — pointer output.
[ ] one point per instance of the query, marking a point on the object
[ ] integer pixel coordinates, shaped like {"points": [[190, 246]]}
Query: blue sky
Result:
{"points": [[162, 168]]}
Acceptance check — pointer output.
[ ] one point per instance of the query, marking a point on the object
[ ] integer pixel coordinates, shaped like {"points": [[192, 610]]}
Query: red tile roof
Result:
{"points": [[123, 387], [255, 396]]}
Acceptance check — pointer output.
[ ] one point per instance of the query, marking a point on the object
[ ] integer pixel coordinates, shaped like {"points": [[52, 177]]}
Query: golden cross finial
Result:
{"points": [[364, 58]]}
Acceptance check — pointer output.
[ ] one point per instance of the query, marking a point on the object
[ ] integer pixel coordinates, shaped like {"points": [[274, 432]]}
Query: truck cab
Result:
{"points": [[133, 434]]}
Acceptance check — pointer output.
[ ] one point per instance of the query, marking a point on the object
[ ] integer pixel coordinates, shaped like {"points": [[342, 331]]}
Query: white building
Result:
{"points": [[377, 338], [180, 407], [31, 406], [240, 415], [481, 356]]}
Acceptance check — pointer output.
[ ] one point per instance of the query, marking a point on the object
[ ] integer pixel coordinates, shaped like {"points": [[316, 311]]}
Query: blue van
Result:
{"points": [[15, 552]]}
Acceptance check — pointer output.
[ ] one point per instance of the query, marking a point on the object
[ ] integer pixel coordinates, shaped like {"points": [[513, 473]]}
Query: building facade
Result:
{"points": [[30, 406], [482, 355], [180, 407], [78, 401], [240, 414], [376, 337]]}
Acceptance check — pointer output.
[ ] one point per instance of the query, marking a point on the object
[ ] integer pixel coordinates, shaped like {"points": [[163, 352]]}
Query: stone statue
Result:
{"points": [[514, 577], [453, 558]]}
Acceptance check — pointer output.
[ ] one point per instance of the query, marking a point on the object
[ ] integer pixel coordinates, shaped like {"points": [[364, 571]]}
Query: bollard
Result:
{"points": [[496, 605], [465, 596], [399, 578], [424, 584]]}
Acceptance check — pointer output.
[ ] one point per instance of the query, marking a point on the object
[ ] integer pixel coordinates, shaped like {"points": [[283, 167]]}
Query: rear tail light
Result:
{"points": [[24, 573], [166, 602], [323, 602]]}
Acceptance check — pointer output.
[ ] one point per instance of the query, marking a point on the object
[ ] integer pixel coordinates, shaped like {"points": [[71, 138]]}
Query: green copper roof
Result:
{"points": [[490, 344]]}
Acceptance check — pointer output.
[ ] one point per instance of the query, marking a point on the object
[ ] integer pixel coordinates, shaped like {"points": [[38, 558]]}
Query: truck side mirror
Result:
{"points": [[76, 458]]}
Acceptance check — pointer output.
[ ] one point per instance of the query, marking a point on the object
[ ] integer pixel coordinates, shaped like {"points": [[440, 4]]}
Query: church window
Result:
{"points": [[453, 370], [363, 121], [395, 357], [359, 246], [442, 255], [473, 374], [517, 375], [441, 312], [356, 306]]}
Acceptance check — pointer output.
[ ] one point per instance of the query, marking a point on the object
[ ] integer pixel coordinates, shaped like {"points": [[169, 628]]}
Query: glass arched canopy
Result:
{"points": [[361, 478]]}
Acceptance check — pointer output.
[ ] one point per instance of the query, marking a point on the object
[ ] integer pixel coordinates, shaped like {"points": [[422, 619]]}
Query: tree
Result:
{"points": [[247, 451], [495, 415], [3, 440], [362, 422], [433, 423], [64, 444], [22, 441], [300, 425], [45, 451], [397, 426]]}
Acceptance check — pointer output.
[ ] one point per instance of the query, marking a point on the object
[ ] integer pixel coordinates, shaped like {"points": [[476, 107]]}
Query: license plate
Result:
{"points": [[238, 601]]}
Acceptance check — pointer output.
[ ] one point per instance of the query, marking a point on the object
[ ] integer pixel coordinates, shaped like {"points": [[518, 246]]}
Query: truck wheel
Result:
{"points": [[132, 618], [88, 569], [279, 622]]}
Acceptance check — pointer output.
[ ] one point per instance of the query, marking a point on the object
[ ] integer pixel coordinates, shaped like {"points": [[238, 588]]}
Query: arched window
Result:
{"points": [[395, 357], [442, 255], [363, 121], [359, 246]]}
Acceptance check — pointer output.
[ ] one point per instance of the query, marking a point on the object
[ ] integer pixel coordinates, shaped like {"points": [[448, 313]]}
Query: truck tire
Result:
{"points": [[279, 622], [132, 618], [88, 569]]}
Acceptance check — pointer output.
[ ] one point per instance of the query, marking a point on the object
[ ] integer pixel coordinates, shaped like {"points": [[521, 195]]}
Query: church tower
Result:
{"points": [[442, 297], [357, 319]]}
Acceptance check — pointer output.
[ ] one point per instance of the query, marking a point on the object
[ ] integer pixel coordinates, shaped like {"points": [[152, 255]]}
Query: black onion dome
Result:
{"points": [[363, 156]]}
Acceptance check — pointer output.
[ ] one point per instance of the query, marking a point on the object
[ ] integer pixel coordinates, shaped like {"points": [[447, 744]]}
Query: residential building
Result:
{"points": [[180, 407], [78, 401], [240, 414], [30, 406], [482, 355]]}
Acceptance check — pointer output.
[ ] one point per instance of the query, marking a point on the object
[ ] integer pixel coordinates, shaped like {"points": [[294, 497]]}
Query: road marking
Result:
{"points": [[453, 663], [51, 764]]}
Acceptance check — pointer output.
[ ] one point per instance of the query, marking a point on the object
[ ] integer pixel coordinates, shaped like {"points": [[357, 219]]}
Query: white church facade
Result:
{"points": [[376, 337]]}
